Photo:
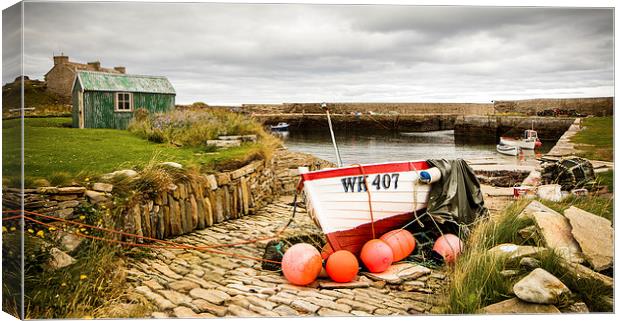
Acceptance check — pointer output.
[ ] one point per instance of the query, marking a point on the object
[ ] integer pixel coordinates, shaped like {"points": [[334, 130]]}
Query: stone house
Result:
{"points": [[60, 78]]}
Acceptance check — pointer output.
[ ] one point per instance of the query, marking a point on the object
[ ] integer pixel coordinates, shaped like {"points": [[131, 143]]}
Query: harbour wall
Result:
{"points": [[598, 106], [489, 128]]}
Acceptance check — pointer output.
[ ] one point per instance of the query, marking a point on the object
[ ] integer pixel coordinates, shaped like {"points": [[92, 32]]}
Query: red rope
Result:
{"points": [[171, 245], [372, 218]]}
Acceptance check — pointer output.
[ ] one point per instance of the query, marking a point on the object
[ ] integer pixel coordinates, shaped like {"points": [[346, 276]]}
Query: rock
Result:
{"points": [[213, 296], [325, 312], [224, 143], [594, 235], [59, 259], [159, 315], [153, 285], [72, 190], [555, 231], [529, 263], [241, 312], [540, 287], [528, 232], [204, 306], [172, 164], [509, 273], [68, 241], [184, 312], [212, 182], [182, 285], [129, 173], [96, 197], [398, 273], [551, 192], [161, 302], [577, 307], [68, 204], [304, 306], [579, 271], [349, 285], [515, 305], [515, 252], [285, 311], [102, 187], [175, 297]]}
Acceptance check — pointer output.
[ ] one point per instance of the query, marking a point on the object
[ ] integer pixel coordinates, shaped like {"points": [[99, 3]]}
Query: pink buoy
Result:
{"points": [[301, 264], [449, 246], [377, 255]]}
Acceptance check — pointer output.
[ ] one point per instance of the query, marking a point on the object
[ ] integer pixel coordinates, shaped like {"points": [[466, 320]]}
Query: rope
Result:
{"points": [[372, 218], [169, 244]]}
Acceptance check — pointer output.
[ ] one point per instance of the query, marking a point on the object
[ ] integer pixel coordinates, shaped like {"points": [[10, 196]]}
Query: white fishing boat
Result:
{"points": [[347, 208], [280, 127], [528, 141], [507, 149]]}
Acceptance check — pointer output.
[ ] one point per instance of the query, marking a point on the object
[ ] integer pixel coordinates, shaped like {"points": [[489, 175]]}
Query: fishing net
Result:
{"points": [[569, 172]]}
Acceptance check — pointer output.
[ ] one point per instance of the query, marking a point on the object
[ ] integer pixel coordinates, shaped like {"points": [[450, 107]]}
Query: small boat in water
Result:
{"points": [[347, 203], [528, 141], [508, 149], [280, 127]]}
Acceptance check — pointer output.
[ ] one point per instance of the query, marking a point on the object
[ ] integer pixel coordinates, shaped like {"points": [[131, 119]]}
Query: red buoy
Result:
{"points": [[377, 255], [326, 251], [401, 242], [342, 266], [449, 246], [301, 264]]}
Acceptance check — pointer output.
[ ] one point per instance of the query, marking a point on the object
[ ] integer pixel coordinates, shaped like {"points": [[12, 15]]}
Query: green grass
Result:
{"points": [[597, 138], [606, 179], [53, 151]]}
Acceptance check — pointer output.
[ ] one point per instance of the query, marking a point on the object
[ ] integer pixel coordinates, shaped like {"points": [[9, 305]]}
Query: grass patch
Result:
{"points": [[597, 138], [477, 281], [596, 205], [59, 154]]}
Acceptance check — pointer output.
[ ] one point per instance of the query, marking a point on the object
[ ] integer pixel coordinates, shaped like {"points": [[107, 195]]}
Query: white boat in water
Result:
{"points": [[528, 141], [340, 201], [508, 149], [280, 127]]}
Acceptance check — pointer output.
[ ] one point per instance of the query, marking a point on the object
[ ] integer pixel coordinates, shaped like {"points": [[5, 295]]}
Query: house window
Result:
{"points": [[124, 102]]}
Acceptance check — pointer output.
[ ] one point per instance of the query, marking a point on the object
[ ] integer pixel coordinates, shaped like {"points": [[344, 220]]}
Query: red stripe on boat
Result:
{"points": [[368, 169]]}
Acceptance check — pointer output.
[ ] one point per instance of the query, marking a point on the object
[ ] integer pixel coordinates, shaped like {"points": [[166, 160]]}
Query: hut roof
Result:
{"points": [[103, 81]]}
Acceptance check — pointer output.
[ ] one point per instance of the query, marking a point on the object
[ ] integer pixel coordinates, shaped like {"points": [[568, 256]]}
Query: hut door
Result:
{"points": [[81, 109]]}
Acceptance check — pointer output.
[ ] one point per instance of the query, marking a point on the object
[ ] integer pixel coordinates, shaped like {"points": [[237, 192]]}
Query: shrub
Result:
{"points": [[193, 127]]}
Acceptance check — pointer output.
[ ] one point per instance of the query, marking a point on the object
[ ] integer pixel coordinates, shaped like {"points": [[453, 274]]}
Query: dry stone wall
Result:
{"points": [[187, 205], [599, 106]]}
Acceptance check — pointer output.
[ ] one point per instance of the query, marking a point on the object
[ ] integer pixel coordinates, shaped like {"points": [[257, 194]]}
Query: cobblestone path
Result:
{"points": [[190, 283]]}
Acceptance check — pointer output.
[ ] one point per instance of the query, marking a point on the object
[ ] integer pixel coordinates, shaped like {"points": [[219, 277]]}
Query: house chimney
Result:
{"points": [[95, 64], [61, 60], [120, 69]]}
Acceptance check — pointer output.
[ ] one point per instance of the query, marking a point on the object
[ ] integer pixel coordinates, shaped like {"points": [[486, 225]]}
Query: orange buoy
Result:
{"points": [[377, 255], [326, 251], [449, 246], [401, 242], [301, 264], [342, 266]]}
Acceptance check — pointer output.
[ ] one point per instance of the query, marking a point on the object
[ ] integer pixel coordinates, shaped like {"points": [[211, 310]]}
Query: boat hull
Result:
{"points": [[508, 150], [340, 203], [525, 144]]}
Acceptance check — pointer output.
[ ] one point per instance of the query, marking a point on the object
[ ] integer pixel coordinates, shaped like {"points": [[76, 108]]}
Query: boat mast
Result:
{"points": [[331, 131]]}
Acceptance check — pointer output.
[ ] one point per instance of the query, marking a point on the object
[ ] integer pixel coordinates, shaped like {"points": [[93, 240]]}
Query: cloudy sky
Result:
{"points": [[243, 53]]}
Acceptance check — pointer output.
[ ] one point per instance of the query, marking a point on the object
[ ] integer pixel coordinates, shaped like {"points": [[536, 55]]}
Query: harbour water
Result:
{"points": [[386, 147]]}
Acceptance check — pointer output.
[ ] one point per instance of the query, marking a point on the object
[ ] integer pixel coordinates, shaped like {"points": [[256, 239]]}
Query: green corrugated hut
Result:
{"points": [[106, 100]]}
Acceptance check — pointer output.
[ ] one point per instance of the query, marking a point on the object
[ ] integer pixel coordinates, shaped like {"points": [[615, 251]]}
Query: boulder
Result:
{"points": [[540, 287], [96, 197], [59, 259], [515, 252], [529, 263], [129, 173], [398, 273], [551, 192], [555, 231], [102, 187], [595, 236], [515, 305], [172, 164]]}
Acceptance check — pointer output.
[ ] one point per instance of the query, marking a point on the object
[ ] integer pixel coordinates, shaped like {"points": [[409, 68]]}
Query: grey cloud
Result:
{"points": [[238, 53]]}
